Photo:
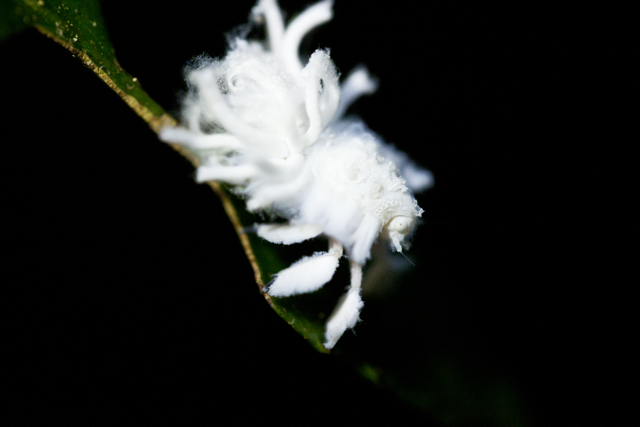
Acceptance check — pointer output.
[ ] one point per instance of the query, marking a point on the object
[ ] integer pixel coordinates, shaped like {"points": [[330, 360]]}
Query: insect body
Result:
{"points": [[274, 129]]}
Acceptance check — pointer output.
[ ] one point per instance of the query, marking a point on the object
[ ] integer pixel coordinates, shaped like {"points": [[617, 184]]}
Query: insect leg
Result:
{"points": [[308, 274], [347, 312], [364, 237], [287, 234]]}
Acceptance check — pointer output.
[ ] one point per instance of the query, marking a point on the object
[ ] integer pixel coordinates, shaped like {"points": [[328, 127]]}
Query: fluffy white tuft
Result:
{"points": [[345, 316], [306, 275], [272, 127], [287, 234]]}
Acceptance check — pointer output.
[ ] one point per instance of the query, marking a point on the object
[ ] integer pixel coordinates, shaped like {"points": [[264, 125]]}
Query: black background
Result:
{"points": [[132, 302]]}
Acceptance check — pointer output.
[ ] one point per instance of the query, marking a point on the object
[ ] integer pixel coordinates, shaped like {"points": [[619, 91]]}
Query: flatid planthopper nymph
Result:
{"points": [[273, 128]]}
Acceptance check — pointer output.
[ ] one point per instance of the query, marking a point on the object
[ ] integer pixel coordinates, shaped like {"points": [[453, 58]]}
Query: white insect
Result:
{"points": [[273, 129]]}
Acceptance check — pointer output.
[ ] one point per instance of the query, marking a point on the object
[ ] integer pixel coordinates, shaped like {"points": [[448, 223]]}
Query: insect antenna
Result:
{"points": [[407, 259]]}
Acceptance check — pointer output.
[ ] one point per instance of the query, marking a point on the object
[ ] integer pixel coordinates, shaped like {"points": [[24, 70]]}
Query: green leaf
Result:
{"points": [[12, 18], [77, 25]]}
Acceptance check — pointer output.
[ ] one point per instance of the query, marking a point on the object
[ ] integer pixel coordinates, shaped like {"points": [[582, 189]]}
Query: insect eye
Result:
{"points": [[400, 224]]}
